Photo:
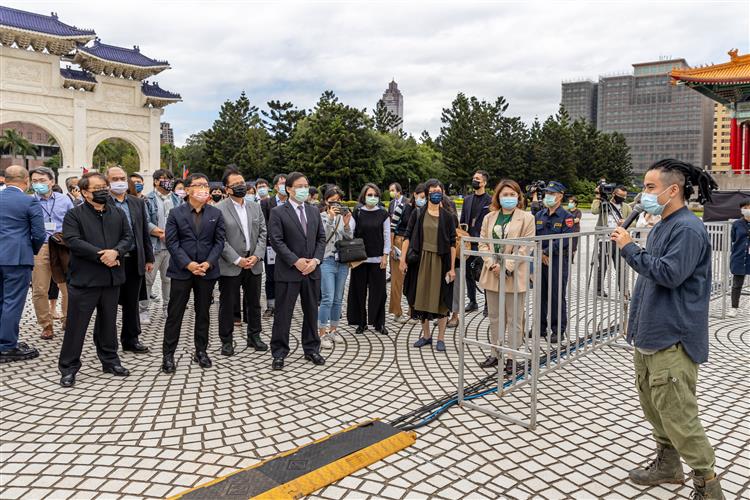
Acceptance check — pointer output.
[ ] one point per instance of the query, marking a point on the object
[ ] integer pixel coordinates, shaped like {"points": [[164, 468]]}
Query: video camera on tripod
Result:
{"points": [[536, 189], [605, 188]]}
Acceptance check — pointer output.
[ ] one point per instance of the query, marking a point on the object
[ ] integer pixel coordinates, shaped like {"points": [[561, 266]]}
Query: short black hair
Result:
{"points": [[484, 174], [69, 182], [620, 187], [83, 184], [44, 171], [397, 186], [687, 177], [178, 181], [162, 172], [291, 178], [261, 180], [313, 191], [365, 188], [332, 191], [220, 188], [228, 173], [192, 177], [278, 177], [745, 202], [136, 175]]}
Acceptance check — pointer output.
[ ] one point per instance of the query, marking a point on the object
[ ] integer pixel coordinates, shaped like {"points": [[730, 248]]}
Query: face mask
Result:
{"points": [[571, 206], [509, 202], [216, 198], [301, 194], [436, 198], [651, 203], [250, 197], [263, 192], [40, 188], [138, 188], [282, 189], [618, 199], [239, 190], [421, 202], [549, 200], [371, 201], [200, 196], [180, 193], [2, 184], [393, 195], [745, 212], [118, 187], [166, 185], [475, 184], [101, 196]]}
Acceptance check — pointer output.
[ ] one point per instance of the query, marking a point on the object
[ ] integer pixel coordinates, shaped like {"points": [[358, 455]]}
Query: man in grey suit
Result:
{"points": [[241, 262]]}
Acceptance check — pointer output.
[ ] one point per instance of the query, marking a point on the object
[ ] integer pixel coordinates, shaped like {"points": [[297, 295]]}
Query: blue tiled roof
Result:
{"points": [[39, 23], [74, 74], [153, 90], [122, 55]]}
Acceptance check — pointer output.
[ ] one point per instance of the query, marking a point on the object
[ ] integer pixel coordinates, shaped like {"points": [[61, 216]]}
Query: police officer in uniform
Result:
{"points": [[555, 220]]}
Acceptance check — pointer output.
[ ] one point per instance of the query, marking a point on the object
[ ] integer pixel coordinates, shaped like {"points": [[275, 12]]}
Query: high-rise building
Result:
{"points": [[579, 100], [658, 119], [720, 150], [394, 101], [167, 135]]}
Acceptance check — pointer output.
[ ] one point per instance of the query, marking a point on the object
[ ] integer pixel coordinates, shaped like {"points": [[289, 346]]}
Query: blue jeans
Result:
{"points": [[332, 280]]}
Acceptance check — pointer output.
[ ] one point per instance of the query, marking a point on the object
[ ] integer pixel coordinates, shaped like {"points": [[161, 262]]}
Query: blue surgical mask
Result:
{"points": [[371, 201], [263, 191], [250, 197], [138, 188], [436, 198], [571, 206], [300, 194], [651, 203], [421, 202], [549, 200], [282, 189], [40, 188], [509, 202]]}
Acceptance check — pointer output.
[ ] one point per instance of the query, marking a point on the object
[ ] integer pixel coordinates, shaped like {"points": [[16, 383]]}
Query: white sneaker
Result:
{"points": [[336, 337], [326, 342], [145, 318], [732, 313], [403, 318]]}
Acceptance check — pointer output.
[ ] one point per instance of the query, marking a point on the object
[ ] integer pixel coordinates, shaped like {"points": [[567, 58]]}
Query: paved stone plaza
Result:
{"points": [[153, 435]]}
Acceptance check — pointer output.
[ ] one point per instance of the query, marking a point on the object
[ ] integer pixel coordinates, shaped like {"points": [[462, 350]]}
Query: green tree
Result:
{"points": [[281, 121], [116, 152], [385, 121], [457, 139], [408, 163], [192, 154], [555, 152], [16, 144]]}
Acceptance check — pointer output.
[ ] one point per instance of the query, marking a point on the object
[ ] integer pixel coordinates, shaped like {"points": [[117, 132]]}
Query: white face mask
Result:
{"points": [[745, 213]]}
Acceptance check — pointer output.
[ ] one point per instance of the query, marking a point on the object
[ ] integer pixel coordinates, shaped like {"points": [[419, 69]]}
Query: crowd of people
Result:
{"points": [[103, 244]]}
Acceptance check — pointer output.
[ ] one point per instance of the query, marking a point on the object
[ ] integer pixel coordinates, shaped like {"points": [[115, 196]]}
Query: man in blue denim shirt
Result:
{"points": [[668, 325]]}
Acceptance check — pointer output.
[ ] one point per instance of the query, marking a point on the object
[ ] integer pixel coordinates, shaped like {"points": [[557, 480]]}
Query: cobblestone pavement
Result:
{"points": [[152, 435]]}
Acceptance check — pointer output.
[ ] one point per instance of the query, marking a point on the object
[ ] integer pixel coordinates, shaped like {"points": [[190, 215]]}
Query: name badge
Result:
{"points": [[49, 226]]}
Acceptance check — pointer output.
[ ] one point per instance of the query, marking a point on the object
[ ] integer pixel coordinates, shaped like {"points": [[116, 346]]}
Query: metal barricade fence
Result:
{"points": [[721, 246], [553, 305]]}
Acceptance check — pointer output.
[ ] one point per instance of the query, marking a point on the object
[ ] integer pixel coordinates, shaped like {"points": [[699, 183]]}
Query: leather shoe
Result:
{"points": [[489, 362], [68, 380], [19, 353], [202, 359], [316, 358], [382, 331], [278, 364], [227, 349], [137, 348], [168, 365], [116, 370], [471, 307], [360, 330], [255, 341]]}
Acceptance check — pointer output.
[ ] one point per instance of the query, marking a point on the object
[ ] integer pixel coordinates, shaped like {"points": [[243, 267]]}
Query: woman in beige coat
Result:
{"points": [[507, 220]]}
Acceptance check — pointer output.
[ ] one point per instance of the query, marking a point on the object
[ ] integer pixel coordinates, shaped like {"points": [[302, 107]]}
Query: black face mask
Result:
{"points": [[166, 185], [617, 199], [240, 190], [101, 196], [475, 184], [216, 197]]}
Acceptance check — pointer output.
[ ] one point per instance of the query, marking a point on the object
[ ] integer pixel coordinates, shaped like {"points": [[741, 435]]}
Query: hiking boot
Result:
{"points": [[665, 468], [706, 489]]}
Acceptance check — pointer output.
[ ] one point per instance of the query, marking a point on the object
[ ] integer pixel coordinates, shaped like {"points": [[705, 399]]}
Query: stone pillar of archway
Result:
{"points": [[154, 149], [74, 166]]}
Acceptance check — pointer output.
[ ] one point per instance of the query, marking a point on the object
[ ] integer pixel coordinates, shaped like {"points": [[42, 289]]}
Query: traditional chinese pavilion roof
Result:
{"points": [[77, 79], [111, 60], [726, 83], [157, 96], [27, 29]]}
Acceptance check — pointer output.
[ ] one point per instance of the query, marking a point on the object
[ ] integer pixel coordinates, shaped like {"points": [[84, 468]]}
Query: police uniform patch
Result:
{"points": [[569, 222], [557, 224], [539, 223]]}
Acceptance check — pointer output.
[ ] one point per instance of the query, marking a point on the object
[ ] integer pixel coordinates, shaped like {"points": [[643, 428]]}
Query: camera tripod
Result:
{"points": [[607, 210]]}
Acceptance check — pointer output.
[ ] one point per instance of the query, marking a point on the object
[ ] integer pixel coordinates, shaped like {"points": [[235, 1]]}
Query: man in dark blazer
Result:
{"points": [[298, 238], [22, 234], [241, 262], [476, 207], [279, 198], [195, 240], [138, 260], [98, 236]]}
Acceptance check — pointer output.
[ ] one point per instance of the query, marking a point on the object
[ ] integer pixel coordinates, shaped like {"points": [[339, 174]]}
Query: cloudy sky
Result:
{"points": [[295, 50]]}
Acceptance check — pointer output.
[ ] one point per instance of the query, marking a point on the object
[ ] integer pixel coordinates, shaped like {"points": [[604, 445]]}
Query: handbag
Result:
{"points": [[351, 250]]}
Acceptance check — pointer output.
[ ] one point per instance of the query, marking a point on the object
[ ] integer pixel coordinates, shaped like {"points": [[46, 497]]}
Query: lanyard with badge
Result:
{"points": [[49, 225]]}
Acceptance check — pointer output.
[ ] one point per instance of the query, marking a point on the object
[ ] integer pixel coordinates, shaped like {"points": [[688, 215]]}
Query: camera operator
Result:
{"points": [[612, 210], [668, 324], [535, 192]]}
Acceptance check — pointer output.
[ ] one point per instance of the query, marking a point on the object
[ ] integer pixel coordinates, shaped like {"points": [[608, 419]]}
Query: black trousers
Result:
{"points": [[130, 292], [81, 305], [270, 288], [179, 295], [551, 298], [287, 291], [366, 296], [229, 301], [471, 285], [738, 281]]}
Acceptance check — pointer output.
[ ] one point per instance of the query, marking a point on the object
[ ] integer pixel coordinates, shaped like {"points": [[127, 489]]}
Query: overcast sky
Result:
{"points": [[296, 50]]}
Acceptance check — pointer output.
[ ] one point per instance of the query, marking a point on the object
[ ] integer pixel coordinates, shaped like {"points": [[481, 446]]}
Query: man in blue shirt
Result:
{"points": [[668, 325], [54, 207]]}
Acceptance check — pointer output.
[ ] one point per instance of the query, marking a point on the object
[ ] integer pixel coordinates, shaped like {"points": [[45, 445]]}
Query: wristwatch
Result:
{"points": [[317, 261]]}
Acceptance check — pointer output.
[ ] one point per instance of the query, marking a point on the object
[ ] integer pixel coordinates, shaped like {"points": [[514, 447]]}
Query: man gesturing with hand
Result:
{"points": [[298, 238]]}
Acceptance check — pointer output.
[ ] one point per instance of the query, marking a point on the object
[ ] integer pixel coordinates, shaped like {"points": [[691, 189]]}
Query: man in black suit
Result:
{"points": [[476, 207], [98, 236], [137, 261], [299, 240], [195, 240], [268, 204]]}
